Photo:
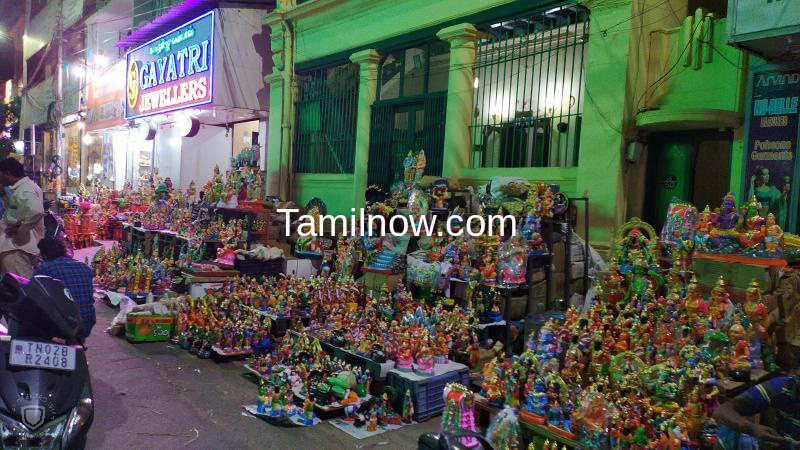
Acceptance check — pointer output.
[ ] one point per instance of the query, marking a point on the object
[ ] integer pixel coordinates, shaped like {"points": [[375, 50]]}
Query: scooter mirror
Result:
{"points": [[11, 287]]}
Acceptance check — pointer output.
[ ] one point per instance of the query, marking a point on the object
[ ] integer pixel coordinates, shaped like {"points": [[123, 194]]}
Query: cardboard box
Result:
{"points": [[286, 247], [557, 285], [537, 275], [519, 304], [559, 257], [276, 232], [374, 281], [538, 291], [299, 268], [577, 251], [199, 289], [576, 286], [149, 327], [576, 270]]}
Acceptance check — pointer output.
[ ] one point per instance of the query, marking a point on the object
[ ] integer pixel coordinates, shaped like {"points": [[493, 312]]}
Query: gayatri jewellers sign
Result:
{"points": [[172, 71]]}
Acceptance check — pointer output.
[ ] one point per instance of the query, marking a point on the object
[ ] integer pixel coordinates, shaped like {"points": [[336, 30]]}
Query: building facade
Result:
{"points": [[769, 32], [578, 94], [102, 138]]}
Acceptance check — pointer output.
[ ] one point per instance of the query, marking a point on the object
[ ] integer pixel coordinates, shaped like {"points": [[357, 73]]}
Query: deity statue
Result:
{"points": [[773, 241], [727, 218]]}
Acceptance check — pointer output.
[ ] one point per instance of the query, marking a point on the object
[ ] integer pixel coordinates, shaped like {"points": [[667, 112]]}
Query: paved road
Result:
{"points": [[157, 396]]}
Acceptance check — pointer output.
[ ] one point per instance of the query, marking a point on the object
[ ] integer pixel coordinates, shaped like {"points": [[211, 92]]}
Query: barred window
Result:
{"points": [[528, 89], [326, 109]]}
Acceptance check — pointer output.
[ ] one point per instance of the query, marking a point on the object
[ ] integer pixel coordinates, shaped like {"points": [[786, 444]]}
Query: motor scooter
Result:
{"points": [[451, 440], [45, 390]]}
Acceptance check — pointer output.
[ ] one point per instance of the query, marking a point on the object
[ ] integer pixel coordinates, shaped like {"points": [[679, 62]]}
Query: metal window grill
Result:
{"points": [[326, 109], [528, 89]]}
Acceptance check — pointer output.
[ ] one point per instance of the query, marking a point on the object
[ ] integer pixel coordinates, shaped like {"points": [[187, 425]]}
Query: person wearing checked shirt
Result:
{"points": [[76, 276]]}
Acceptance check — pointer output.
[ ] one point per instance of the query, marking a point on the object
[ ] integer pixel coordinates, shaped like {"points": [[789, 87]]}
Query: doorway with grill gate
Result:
{"points": [[409, 114]]}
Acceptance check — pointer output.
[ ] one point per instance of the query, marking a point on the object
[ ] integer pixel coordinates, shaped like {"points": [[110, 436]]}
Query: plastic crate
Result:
{"points": [[256, 268], [427, 393]]}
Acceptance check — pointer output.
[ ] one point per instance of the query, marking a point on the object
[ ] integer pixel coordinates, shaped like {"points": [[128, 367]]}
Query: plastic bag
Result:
{"points": [[119, 322], [502, 187], [503, 432]]}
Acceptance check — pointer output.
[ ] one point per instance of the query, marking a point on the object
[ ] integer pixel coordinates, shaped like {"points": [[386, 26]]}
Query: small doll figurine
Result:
{"points": [[308, 409], [440, 193], [408, 407], [710, 396], [773, 241], [262, 397], [372, 425]]}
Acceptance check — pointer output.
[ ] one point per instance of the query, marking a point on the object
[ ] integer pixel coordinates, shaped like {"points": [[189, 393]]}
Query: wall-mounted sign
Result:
{"points": [[172, 71], [105, 99], [772, 142]]}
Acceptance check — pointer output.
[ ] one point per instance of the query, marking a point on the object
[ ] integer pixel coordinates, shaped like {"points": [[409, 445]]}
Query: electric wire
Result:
{"points": [[664, 77]]}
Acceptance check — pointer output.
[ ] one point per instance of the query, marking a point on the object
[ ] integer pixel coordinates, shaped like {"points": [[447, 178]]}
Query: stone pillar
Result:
{"points": [[281, 108], [457, 142], [277, 160], [367, 61]]}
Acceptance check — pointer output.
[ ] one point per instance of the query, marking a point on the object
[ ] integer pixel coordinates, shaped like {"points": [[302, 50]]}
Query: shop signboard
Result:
{"points": [[105, 97], [173, 71], [772, 142]]}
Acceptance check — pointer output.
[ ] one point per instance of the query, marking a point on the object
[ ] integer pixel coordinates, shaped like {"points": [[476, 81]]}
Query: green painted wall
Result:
{"points": [[600, 163], [336, 190], [706, 77]]}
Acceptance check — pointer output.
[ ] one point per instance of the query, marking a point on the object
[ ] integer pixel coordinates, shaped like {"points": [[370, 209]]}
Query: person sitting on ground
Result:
{"points": [[22, 225], [76, 276]]}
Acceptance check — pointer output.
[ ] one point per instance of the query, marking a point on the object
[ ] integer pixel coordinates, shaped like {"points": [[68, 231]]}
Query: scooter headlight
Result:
{"points": [[80, 418]]}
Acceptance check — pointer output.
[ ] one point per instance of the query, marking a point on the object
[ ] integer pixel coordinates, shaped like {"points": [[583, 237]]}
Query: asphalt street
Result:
{"points": [[157, 396]]}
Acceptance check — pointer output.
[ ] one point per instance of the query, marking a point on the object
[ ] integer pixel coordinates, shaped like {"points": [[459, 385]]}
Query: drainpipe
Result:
{"points": [[287, 179]]}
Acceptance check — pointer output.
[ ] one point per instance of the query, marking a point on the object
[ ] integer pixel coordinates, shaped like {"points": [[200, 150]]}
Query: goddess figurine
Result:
{"points": [[720, 306], [535, 407], [740, 360], [409, 166], [755, 310], [694, 304]]}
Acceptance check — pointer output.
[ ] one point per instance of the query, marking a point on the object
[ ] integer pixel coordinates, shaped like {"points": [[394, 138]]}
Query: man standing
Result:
{"points": [[22, 226], [76, 276]]}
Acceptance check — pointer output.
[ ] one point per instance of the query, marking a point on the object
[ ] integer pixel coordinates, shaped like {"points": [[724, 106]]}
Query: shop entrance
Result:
{"points": [[690, 166]]}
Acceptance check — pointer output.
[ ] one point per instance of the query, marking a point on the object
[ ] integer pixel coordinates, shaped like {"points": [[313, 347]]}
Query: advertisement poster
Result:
{"points": [[104, 105], [173, 71], [772, 142]]}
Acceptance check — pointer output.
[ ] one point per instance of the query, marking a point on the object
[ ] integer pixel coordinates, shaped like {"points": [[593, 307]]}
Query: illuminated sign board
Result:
{"points": [[172, 71]]}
